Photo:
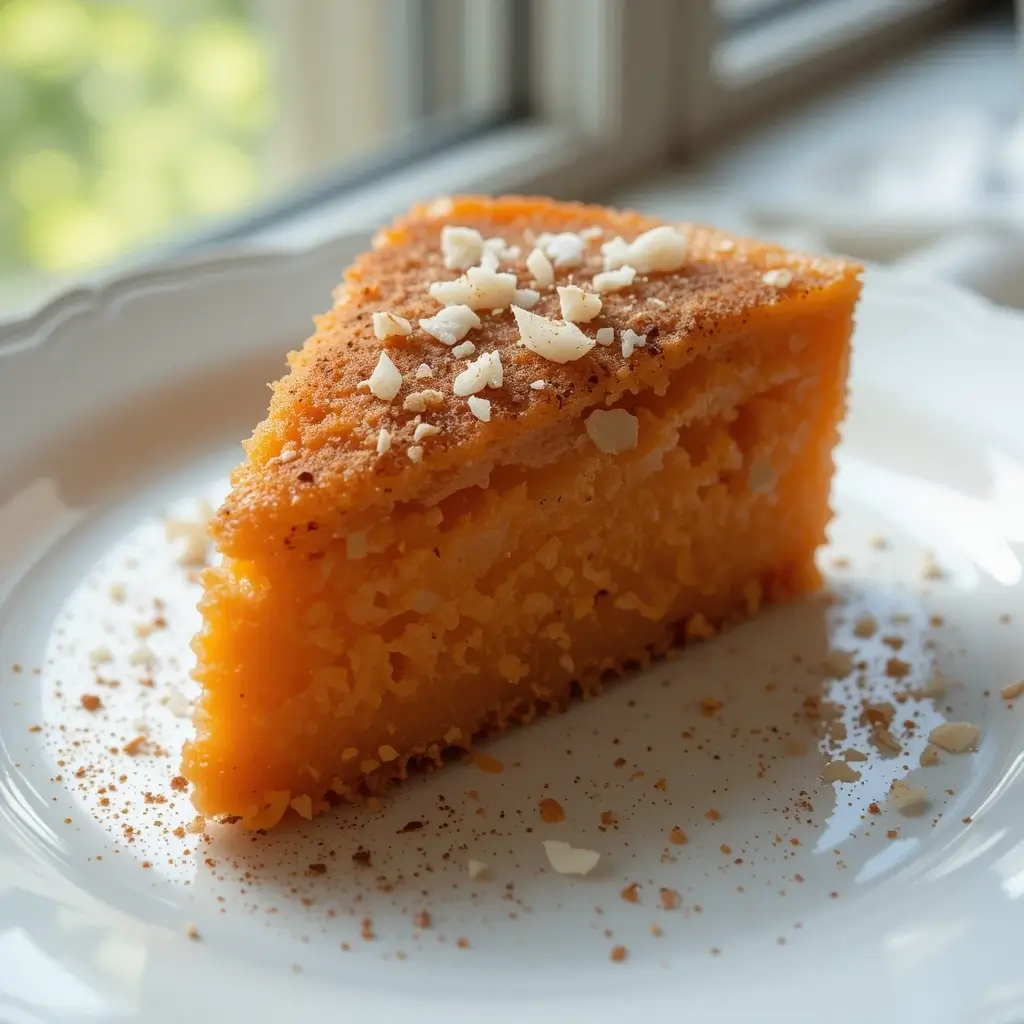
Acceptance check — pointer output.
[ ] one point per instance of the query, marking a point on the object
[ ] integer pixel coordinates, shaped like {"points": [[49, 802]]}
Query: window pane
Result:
{"points": [[735, 14], [126, 122]]}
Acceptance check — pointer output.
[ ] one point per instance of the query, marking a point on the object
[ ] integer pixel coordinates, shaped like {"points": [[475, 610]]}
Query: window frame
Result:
{"points": [[608, 90]]}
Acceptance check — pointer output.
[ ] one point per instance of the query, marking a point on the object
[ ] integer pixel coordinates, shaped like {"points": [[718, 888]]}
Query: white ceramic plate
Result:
{"points": [[798, 904]]}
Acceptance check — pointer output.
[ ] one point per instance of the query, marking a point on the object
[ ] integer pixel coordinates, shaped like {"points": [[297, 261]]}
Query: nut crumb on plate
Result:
{"points": [[631, 893], [865, 627], [670, 899], [955, 737], [569, 860], [897, 668], [551, 811], [907, 799], [886, 741], [839, 771], [838, 663], [100, 655]]}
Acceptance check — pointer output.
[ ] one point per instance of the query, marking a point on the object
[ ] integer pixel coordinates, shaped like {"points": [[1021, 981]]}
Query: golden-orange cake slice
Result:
{"points": [[530, 445]]}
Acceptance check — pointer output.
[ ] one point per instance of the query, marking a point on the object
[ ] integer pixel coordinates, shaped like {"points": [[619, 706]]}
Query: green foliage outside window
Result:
{"points": [[123, 119]]}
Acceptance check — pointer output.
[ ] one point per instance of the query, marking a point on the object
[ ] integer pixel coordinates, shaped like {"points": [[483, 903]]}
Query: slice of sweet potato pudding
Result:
{"points": [[532, 443]]}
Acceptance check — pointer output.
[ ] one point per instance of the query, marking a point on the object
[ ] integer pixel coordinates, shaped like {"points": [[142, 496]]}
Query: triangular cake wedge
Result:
{"points": [[451, 520]]}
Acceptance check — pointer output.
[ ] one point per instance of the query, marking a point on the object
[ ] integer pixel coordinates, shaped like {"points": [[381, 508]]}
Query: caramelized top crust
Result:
{"points": [[331, 424]]}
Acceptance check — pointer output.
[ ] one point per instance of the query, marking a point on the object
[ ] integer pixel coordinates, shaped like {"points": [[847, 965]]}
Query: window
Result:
{"points": [[137, 126], [126, 122], [761, 52]]}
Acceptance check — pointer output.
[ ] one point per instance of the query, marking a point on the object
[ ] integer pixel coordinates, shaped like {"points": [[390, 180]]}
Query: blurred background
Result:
{"points": [[137, 130]]}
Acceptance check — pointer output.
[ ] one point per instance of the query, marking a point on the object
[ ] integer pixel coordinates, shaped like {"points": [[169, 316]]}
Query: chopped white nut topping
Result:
{"points": [[907, 799], [288, 455], [441, 207], [578, 306], [490, 290], [614, 280], [499, 250], [631, 341], [423, 371], [613, 430], [526, 298], [461, 247], [564, 249], [484, 372], [421, 401], [606, 335], [540, 266], [539, 385], [659, 250], [478, 289], [451, 293], [480, 408], [778, 278], [554, 340], [425, 430], [383, 441], [588, 234], [451, 325], [839, 771], [655, 301], [385, 382], [489, 260], [568, 860], [415, 452], [955, 737], [615, 252], [463, 350], [476, 868], [386, 324]]}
